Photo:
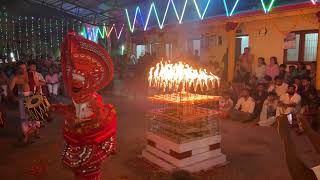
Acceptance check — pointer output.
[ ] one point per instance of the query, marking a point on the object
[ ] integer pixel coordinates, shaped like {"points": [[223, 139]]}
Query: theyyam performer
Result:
{"points": [[89, 125]]}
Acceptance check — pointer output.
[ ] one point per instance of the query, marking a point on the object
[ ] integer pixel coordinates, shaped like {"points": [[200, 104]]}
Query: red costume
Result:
{"points": [[90, 126]]}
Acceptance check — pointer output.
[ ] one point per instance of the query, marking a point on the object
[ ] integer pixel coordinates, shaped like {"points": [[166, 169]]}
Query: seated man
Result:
{"points": [[279, 87], [243, 111], [289, 102], [268, 113], [259, 95], [298, 170], [52, 80], [307, 92]]}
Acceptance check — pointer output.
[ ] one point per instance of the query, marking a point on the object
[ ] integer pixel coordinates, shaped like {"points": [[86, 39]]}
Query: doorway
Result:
{"points": [[242, 42]]}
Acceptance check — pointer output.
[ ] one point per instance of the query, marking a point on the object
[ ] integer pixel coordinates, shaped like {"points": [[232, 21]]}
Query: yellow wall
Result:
{"points": [[265, 46], [272, 43]]}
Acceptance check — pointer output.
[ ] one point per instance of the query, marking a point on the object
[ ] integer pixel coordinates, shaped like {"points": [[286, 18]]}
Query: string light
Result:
{"points": [[20, 32], [233, 8], [94, 32], [45, 36], [6, 31], [267, 9], [39, 34], [62, 33], [131, 27], [31, 42], [201, 16], [50, 30], [57, 33], [27, 43], [314, 2]]}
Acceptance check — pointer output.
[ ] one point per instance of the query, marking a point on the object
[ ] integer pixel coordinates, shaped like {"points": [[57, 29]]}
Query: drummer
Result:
{"points": [[21, 81]]}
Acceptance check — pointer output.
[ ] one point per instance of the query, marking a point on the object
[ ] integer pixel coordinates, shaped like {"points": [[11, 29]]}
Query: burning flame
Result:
{"points": [[180, 77]]}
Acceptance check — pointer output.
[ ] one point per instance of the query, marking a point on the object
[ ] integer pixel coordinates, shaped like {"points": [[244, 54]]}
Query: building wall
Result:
{"points": [[262, 44], [271, 43]]}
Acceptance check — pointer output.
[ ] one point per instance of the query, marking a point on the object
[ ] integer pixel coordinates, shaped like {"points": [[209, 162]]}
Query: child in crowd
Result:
{"points": [[244, 109], [268, 112], [260, 70], [225, 105]]}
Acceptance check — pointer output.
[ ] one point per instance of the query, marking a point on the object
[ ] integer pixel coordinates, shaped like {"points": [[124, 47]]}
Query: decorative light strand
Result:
{"points": [[20, 32], [6, 32], [233, 7], [267, 9], [57, 31], [94, 32], [160, 22], [50, 30], [32, 33], [39, 34], [26, 29], [131, 27], [45, 36]]}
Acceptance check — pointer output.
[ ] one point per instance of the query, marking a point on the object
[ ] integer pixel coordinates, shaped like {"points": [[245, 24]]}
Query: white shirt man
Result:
{"points": [[289, 102], [244, 105]]}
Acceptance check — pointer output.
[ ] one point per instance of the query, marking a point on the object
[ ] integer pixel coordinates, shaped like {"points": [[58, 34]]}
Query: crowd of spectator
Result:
{"points": [[269, 90]]}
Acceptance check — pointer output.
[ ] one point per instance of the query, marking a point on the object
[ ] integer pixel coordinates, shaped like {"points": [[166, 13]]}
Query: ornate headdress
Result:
{"points": [[86, 67]]}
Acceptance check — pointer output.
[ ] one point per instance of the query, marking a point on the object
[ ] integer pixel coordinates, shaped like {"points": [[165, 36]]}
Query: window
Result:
{"points": [[168, 51], [196, 46], [140, 50], [305, 47]]}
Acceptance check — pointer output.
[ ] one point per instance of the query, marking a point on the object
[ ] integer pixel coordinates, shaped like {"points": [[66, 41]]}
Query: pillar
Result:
{"points": [[318, 55], [318, 63], [231, 36]]}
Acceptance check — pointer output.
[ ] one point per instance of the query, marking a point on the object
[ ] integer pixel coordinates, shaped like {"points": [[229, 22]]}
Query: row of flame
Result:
{"points": [[181, 77]]}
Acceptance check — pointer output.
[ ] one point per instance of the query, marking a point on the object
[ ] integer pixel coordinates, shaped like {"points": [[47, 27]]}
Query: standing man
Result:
{"points": [[245, 63]]}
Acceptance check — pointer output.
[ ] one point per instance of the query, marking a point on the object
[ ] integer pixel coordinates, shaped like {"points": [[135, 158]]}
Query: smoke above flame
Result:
{"points": [[181, 77]]}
